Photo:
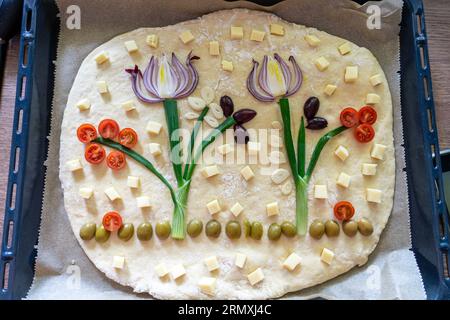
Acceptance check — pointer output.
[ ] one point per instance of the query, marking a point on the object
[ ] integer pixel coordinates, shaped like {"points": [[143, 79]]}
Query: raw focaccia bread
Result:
{"points": [[229, 187]]}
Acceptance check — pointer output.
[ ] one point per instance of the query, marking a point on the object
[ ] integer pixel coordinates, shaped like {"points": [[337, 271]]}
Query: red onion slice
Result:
{"points": [[298, 77], [262, 77], [182, 72], [136, 79], [193, 77], [285, 69], [251, 85], [148, 80]]}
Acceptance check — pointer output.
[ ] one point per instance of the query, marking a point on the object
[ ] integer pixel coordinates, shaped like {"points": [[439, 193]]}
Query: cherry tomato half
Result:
{"points": [[367, 115], [94, 153], [108, 128], [344, 210], [364, 133], [116, 160], [128, 137], [112, 221], [349, 117], [86, 133]]}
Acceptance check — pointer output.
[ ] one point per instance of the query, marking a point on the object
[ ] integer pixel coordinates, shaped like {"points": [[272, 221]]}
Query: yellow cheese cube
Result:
{"points": [[211, 263], [327, 256], [320, 191], [74, 165], [102, 57], [342, 153], [345, 48], [292, 261], [369, 169], [178, 271], [322, 63], [128, 105], [256, 276], [161, 270], [213, 207], [375, 80], [240, 260], [186, 36], [131, 46], [210, 171], [272, 209], [86, 192], [118, 262], [372, 98], [227, 65], [236, 33], [83, 104], [112, 193], [378, 151], [344, 180], [312, 40], [224, 149], [143, 202], [330, 89], [214, 48], [257, 35], [236, 209], [152, 40], [133, 182], [247, 173], [155, 149], [153, 127], [276, 29], [373, 195], [253, 147], [351, 74], [102, 87], [207, 285]]}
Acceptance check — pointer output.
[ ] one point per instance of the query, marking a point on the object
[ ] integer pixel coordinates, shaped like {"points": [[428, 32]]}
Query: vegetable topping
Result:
{"points": [[86, 133], [128, 137], [344, 210], [94, 153], [108, 129], [112, 221], [116, 160]]}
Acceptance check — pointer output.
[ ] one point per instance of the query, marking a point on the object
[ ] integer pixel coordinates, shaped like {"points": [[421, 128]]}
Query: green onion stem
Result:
{"points": [[301, 149], [301, 206], [286, 117], [171, 112]]}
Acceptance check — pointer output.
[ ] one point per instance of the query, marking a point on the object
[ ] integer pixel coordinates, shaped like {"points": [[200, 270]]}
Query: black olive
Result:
{"points": [[244, 115], [227, 105], [317, 123], [241, 135], [311, 107]]}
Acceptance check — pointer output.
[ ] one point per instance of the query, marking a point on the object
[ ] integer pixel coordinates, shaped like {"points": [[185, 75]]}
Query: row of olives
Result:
{"points": [[331, 228]]}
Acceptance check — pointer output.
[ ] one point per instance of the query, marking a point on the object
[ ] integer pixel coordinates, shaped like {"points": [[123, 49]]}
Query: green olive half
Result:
{"points": [[162, 229], [144, 231], [288, 229], [126, 231], [274, 231], [350, 228], [316, 229], [101, 234], [87, 231], [332, 228], [213, 228], [233, 229], [194, 228], [256, 230], [365, 227]]}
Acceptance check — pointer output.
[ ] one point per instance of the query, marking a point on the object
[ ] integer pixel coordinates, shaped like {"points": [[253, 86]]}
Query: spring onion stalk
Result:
{"points": [[171, 111]]}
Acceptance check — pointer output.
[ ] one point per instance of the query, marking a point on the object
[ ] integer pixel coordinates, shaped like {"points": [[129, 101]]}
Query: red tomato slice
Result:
{"points": [[128, 137], [344, 210], [112, 221], [364, 133], [108, 128], [86, 133], [94, 153], [349, 117], [367, 115], [116, 160]]}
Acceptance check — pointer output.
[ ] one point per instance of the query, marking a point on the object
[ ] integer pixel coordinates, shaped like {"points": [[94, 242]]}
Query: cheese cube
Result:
{"points": [[376, 80], [253, 147], [256, 276], [153, 127], [292, 261], [330, 89], [276, 29], [224, 149], [214, 48], [257, 35], [227, 65], [236, 209], [247, 173], [152, 40], [320, 191], [345, 48], [102, 87], [351, 74], [161, 270], [211, 263], [178, 271], [327, 256], [210, 171], [312, 40], [240, 260], [83, 104], [373, 195], [143, 202], [372, 98], [186, 36], [213, 207], [74, 165], [118, 262], [272, 209], [131, 46], [378, 151], [128, 105], [112, 193], [369, 169], [155, 149], [322, 63], [86, 192], [236, 33], [207, 285], [133, 182], [344, 180], [342, 153], [102, 57]]}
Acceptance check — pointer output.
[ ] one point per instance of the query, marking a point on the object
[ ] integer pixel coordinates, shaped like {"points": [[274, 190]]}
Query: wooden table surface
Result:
{"points": [[438, 27]]}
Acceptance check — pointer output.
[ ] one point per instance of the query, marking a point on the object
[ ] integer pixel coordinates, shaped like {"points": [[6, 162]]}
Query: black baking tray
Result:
{"points": [[39, 34]]}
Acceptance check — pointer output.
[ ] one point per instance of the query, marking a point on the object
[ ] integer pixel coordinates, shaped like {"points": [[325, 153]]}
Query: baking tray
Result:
{"points": [[39, 34]]}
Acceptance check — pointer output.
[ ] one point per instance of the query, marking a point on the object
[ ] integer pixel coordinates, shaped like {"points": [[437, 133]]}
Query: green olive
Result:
{"points": [[316, 229], [101, 234], [274, 232], [87, 231], [365, 227], [144, 231], [126, 231], [233, 229], [332, 228], [162, 230], [247, 228], [350, 228], [288, 229], [213, 228], [256, 230], [194, 227]]}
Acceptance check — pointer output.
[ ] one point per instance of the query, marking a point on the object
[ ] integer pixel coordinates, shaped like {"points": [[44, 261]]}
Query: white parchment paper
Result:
{"points": [[63, 271]]}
